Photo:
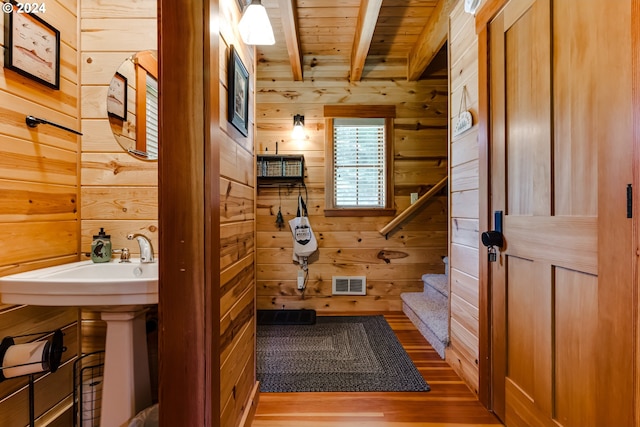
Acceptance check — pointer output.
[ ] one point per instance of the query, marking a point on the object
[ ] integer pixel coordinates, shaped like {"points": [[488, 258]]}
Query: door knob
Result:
{"points": [[492, 238]]}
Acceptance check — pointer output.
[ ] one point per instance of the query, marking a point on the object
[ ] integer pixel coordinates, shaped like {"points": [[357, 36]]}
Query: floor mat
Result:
{"points": [[338, 353], [286, 317]]}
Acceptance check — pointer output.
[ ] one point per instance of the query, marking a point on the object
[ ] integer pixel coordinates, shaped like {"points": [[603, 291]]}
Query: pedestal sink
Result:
{"points": [[120, 292]]}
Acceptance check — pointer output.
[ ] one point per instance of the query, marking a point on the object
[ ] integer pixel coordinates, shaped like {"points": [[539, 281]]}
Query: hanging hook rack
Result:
{"points": [[33, 122]]}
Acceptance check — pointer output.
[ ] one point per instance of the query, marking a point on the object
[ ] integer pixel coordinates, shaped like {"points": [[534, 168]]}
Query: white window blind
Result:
{"points": [[152, 117], [359, 163]]}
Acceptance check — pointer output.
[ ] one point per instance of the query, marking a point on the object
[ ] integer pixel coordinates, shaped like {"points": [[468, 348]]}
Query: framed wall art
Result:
{"points": [[32, 47], [238, 92], [117, 97]]}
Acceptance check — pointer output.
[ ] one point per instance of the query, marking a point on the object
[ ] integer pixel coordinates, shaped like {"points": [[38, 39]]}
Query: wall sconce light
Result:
{"points": [[255, 27], [298, 127]]}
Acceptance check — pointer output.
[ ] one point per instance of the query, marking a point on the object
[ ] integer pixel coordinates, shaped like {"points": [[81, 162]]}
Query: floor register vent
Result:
{"points": [[349, 285]]}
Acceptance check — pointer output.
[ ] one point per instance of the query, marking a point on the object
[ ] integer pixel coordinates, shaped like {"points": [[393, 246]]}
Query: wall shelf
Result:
{"points": [[275, 169]]}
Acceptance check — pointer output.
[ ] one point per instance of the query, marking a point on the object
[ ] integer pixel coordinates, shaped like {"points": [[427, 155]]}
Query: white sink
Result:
{"points": [[120, 291], [84, 283]]}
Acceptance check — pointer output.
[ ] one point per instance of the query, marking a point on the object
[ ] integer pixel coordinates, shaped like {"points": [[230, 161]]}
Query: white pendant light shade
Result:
{"points": [[254, 25]]}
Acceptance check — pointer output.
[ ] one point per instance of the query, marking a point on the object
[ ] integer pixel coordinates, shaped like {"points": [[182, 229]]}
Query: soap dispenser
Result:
{"points": [[101, 247]]}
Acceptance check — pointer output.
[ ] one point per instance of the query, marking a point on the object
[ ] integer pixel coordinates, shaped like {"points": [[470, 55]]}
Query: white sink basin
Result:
{"points": [[84, 283], [120, 291]]}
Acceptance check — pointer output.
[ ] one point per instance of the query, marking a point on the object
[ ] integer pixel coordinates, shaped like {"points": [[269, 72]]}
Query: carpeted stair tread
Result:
{"points": [[429, 311], [432, 309], [435, 342], [439, 282]]}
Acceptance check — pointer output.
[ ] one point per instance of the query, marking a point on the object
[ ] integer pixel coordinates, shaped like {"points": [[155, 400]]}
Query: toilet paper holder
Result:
{"points": [[31, 357]]}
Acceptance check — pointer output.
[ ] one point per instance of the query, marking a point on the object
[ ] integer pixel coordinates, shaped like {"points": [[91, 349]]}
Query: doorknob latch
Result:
{"points": [[494, 238]]}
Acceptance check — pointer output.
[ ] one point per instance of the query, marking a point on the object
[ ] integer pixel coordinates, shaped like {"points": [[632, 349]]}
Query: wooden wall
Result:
{"points": [[350, 245], [118, 192], [464, 213], [39, 224], [237, 236]]}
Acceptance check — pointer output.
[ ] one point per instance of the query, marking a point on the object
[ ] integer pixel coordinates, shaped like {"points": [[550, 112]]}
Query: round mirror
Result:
{"points": [[132, 105]]}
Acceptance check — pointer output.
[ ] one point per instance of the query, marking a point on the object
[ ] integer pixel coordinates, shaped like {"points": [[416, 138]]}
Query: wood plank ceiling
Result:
{"points": [[409, 32]]}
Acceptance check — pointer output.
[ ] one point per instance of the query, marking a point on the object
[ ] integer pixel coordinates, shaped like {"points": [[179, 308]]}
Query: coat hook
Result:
{"points": [[33, 122]]}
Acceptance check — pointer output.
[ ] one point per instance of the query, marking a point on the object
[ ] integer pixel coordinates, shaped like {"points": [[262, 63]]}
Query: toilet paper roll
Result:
{"points": [[32, 355], [91, 396]]}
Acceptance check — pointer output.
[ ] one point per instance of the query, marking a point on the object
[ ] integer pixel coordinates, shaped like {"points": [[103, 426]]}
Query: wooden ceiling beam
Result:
{"points": [[367, 20], [431, 40], [289, 16]]}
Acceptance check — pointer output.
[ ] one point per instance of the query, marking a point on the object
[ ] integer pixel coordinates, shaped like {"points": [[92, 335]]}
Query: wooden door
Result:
{"points": [[560, 161]]}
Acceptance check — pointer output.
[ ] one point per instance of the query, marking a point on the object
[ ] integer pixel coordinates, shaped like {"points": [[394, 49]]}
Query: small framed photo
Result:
{"points": [[117, 97], [32, 46], [238, 93]]}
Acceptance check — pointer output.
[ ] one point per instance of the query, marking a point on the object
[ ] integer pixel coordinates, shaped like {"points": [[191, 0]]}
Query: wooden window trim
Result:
{"points": [[387, 112]]}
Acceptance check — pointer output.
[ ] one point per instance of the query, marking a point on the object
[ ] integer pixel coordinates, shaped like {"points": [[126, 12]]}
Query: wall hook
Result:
{"points": [[33, 122]]}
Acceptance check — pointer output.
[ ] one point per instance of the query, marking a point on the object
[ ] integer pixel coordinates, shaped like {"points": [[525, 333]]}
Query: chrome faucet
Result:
{"points": [[146, 249]]}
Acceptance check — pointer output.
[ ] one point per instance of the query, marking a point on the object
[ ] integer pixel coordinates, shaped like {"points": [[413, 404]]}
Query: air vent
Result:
{"points": [[349, 285]]}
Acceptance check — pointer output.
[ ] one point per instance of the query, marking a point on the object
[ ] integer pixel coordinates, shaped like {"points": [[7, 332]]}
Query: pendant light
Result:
{"points": [[254, 26]]}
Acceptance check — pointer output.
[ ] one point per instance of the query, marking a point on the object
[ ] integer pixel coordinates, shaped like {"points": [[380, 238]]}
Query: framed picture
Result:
{"points": [[32, 47], [117, 97], [238, 93]]}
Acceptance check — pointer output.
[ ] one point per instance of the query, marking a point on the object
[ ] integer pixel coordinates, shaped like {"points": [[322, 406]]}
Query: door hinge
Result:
{"points": [[629, 201]]}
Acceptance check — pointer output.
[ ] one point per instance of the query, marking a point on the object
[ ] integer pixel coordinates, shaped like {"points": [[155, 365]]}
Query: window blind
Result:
{"points": [[152, 117], [359, 163]]}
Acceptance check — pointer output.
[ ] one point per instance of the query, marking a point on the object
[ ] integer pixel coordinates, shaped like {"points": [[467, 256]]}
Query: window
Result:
{"points": [[152, 117], [359, 163], [147, 103], [359, 160]]}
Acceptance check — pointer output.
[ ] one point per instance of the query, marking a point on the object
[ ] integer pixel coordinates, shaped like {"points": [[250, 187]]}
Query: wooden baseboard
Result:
{"points": [[58, 415], [463, 367], [250, 410]]}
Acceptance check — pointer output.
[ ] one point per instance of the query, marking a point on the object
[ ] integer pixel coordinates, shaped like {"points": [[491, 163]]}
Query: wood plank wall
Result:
{"points": [[350, 246], [237, 236], [464, 211], [39, 220], [118, 192]]}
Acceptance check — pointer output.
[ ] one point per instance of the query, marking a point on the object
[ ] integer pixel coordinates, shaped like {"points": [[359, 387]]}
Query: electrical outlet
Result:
{"points": [[300, 279]]}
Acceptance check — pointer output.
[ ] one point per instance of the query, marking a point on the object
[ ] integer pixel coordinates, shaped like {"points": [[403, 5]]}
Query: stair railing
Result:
{"points": [[403, 216]]}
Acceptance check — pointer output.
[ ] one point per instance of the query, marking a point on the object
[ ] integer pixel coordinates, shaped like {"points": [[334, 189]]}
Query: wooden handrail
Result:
{"points": [[404, 215]]}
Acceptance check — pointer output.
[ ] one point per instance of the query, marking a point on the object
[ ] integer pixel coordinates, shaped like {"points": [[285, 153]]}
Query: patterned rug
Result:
{"points": [[359, 353]]}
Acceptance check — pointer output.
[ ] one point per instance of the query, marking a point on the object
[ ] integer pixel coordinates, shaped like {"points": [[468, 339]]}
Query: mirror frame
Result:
{"points": [[130, 128]]}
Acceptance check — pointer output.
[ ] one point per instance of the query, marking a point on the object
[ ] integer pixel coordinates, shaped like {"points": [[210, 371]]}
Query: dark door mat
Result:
{"points": [[286, 317]]}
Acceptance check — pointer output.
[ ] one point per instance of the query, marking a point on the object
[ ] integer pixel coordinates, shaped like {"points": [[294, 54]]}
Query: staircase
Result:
{"points": [[429, 309]]}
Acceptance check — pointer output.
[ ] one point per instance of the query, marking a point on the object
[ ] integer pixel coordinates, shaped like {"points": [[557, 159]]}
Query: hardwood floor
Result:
{"points": [[449, 403]]}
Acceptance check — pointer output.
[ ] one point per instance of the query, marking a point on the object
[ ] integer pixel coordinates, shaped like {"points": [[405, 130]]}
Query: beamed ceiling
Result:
{"points": [[409, 33]]}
